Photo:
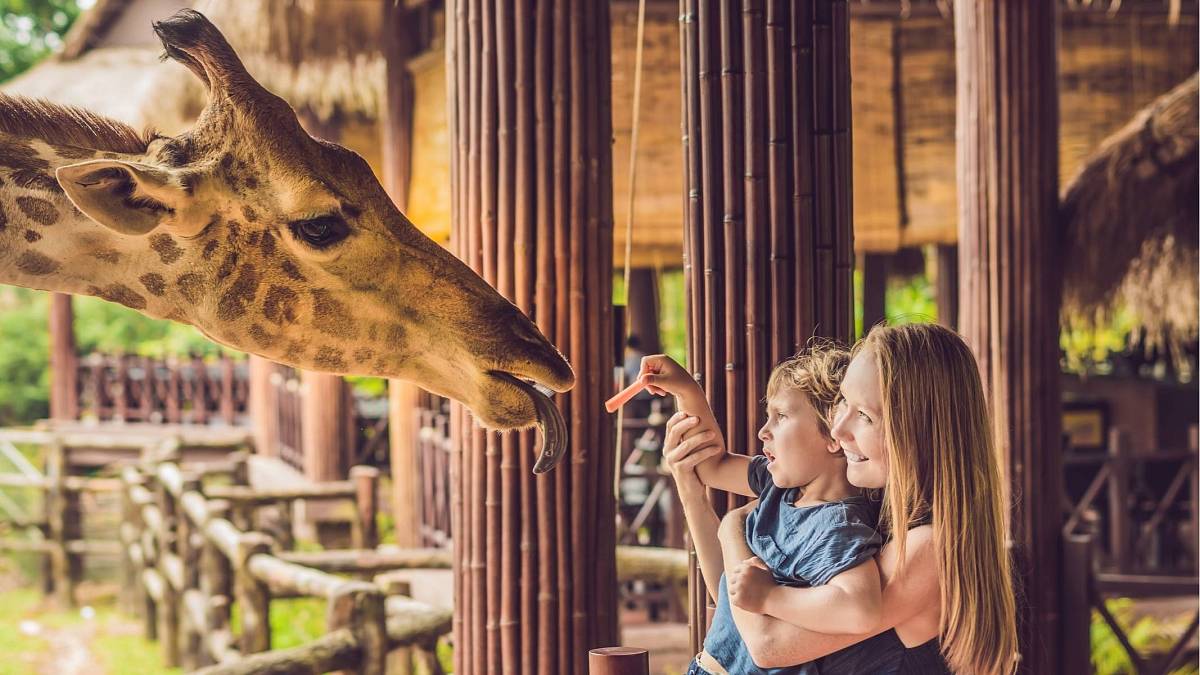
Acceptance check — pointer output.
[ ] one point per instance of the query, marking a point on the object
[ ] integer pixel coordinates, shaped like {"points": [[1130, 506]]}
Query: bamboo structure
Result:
{"points": [[768, 240], [1009, 280], [531, 185]]}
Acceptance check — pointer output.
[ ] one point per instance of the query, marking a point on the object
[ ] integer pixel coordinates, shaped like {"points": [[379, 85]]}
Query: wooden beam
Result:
{"points": [[64, 400], [1009, 281], [947, 285]]}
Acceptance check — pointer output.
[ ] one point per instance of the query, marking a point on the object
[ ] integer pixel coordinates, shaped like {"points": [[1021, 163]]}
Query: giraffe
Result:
{"points": [[265, 239]]}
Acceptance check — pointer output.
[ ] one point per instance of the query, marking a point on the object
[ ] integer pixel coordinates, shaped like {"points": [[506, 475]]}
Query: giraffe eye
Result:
{"points": [[321, 232]]}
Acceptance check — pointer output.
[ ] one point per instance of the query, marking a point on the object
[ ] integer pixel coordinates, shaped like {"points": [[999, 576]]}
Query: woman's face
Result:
{"points": [[858, 423]]}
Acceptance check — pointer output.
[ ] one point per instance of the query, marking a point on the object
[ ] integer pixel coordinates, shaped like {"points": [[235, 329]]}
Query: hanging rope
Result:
{"points": [[633, 148]]}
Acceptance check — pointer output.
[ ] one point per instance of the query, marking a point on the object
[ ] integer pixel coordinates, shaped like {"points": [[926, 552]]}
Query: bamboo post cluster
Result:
{"points": [[531, 189], [1009, 278], [768, 238]]}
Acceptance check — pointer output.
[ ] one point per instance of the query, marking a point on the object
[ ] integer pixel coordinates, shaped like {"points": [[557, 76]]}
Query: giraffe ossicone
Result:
{"points": [[264, 238]]}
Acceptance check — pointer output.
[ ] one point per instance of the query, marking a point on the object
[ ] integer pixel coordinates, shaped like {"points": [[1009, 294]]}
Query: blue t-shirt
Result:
{"points": [[803, 546]]}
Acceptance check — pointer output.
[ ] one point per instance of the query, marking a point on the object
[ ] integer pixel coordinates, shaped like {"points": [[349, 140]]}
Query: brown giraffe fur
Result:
{"points": [[208, 228]]}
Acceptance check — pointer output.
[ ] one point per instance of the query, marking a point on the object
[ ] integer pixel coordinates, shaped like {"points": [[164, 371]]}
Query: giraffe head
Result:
{"points": [[287, 246]]}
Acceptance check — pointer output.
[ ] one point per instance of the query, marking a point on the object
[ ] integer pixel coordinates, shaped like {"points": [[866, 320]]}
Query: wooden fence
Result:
{"points": [[128, 388], [189, 556]]}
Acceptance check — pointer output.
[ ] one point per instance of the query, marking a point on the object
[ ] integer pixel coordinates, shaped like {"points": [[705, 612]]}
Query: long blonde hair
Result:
{"points": [[942, 464]]}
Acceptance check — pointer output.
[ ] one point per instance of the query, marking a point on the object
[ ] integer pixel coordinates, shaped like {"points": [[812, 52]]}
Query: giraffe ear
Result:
{"points": [[128, 197]]}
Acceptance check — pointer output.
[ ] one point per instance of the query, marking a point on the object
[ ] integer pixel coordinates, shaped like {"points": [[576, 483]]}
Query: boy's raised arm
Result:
{"points": [[726, 471]]}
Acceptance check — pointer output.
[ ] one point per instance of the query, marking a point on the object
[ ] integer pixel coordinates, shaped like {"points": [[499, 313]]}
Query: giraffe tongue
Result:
{"points": [[550, 425]]}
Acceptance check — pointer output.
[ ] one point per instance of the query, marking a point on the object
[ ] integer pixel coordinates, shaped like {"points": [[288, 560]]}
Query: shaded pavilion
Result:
{"points": [[386, 78]]}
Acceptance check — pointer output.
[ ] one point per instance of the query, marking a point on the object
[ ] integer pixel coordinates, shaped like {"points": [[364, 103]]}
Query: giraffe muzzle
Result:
{"points": [[550, 424]]}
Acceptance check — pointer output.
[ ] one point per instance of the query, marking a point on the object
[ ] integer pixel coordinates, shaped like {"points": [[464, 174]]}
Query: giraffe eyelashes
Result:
{"points": [[321, 232]]}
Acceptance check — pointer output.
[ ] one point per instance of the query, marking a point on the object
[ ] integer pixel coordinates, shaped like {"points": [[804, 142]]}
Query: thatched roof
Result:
{"points": [[1131, 222]]}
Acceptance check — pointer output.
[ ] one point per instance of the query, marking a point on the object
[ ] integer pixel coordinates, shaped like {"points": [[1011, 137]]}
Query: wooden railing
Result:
{"points": [[58, 528], [1085, 589], [186, 561], [138, 389]]}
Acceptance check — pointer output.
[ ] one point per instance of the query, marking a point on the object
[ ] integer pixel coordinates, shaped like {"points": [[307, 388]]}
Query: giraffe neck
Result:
{"points": [[47, 244]]}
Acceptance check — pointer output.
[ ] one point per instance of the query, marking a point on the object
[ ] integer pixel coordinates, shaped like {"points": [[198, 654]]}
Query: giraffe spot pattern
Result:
{"points": [[330, 359], [165, 246], [396, 334], [227, 265], [261, 337], [16, 154], [108, 255], [295, 352], [289, 268], [121, 294], [38, 210], [36, 264], [3, 219], [331, 317], [153, 283], [249, 214], [268, 244], [233, 304], [32, 236], [252, 240], [191, 285], [363, 355], [34, 179], [210, 248], [279, 305]]}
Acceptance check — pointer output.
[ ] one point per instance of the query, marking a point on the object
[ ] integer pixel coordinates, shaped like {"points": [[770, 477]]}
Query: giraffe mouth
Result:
{"points": [[550, 424]]}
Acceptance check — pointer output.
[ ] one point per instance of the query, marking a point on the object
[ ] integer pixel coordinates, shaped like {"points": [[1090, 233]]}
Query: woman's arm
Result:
{"points": [[682, 456], [850, 603], [775, 644]]}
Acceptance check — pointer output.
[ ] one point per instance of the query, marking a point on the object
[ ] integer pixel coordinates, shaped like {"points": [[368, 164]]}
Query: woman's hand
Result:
{"points": [[749, 585], [686, 445], [665, 376]]}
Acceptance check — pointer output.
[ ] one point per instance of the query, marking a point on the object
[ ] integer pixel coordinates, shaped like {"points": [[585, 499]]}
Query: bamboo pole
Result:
{"points": [[536, 152], [1010, 280]]}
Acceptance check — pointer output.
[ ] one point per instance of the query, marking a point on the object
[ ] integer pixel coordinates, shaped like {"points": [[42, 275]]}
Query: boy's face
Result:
{"points": [[793, 441]]}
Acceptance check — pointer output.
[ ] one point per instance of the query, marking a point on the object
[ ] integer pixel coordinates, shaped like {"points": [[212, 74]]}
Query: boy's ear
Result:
{"points": [[129, 197]]}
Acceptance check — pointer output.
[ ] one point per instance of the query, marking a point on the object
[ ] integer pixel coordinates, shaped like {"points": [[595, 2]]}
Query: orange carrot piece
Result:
{"points": [[612, 404]]}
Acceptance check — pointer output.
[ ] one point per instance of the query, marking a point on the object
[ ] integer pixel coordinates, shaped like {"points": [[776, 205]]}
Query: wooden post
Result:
{"points": [[252, 596], [264, 420], [1077, 603], [359, 607], [643, 308], [618, 661], [64, 376], [947, 285], [168, 610], [1009, 279], [216, 576], [1120, 536], [531, 194], [399, 660], [875, 278], [366, 501], [55, 508], [403, 402], [324, 425], [188, 544]]}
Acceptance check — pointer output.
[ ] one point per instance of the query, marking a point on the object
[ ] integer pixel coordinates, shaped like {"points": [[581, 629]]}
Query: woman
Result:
{"points": [[912, 420]]}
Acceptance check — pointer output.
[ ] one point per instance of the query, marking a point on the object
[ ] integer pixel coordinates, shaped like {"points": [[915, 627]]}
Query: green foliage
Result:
{"points": [[910, 300], [672, 325], [1087, 349], [99, 326], [1147, 635], [32, 29]]}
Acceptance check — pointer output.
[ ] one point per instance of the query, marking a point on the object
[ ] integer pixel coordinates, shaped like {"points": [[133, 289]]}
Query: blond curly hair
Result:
{"points": [[816, 371]]}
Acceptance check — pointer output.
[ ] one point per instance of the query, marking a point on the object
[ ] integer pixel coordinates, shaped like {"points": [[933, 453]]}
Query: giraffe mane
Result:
{"points": [[69, 125]]}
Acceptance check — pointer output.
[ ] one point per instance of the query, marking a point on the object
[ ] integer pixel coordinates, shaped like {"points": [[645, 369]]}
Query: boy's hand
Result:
{"points": [[749, 585], [665, 376]]}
